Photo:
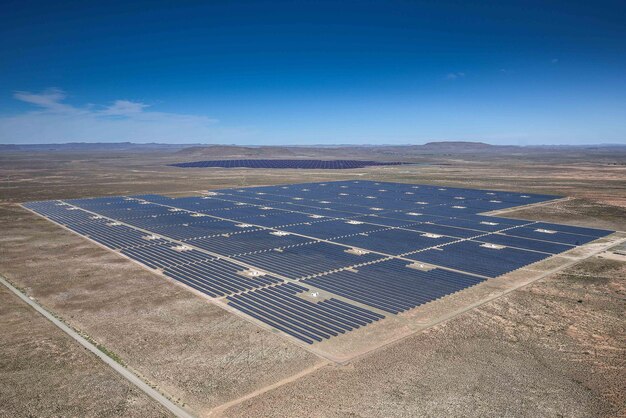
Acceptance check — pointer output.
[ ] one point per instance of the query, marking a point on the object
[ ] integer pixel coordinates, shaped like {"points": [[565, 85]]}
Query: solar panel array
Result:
{"points": [[305, 164], [317, 260]]}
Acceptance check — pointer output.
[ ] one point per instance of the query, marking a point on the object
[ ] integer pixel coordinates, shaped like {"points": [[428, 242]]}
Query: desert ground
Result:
{"points": [[556, 347]]}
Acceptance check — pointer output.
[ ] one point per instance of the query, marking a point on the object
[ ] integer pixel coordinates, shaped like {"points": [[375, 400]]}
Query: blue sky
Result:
{"points": [[303, 72]]}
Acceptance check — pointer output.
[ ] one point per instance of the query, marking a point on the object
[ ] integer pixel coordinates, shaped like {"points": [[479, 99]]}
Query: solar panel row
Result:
{"points": [[525, 244], [476, 257], [249, 242], [237, 242], [307, 260], [165, 255], [305, 164], [392, 286], [431, 228], [394, 241], [598, 233], [282, 308], [332, 228], [113, 235], [278, 219], [207, 274], [393, 196], [59, 212], [173, 219], [549, 235], [219, 277]]}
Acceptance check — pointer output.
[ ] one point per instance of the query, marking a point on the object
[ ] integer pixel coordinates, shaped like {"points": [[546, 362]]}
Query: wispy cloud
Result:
{"points": [[54, 120], [49, 99], [124, 108], [455, 76]]}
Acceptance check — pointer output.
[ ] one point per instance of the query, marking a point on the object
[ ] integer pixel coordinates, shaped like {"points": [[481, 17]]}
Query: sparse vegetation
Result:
{"points": [[205, 356]]}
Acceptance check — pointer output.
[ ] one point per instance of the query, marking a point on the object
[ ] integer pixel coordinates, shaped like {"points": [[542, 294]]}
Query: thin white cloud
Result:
{"points": [[124, 120], [124, 108], [455, 76], [50, 100]]}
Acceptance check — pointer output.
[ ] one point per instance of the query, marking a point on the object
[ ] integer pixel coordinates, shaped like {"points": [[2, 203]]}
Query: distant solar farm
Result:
{"points": [[317, 260], [302, 164]]}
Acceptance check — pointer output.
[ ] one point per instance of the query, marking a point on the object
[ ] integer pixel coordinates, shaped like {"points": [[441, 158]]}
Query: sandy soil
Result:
{"points": [[554, 348], [581, 212], [528, 353], [196, 352], [39, 176], [44, 373]]}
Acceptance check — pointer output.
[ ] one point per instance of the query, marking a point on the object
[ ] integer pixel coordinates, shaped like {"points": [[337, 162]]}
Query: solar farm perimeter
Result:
{"points": [[323, 263], [285, 164]]}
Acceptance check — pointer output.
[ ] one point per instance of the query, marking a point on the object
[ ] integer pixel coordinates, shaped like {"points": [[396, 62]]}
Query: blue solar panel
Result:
{"points": [[386, 220], [241, 243], [392, 286], [248, 242], [306, 164], [332, 228], [445, 230], [165, 255], [113, 235], [592, 232], [324, 212], [307, 320], [490, 225], [173, 219], [474, 257], [394, 241], [200, 204], [542, 234], [200, 230], [278, 219], [502, 222], [156, 198], [479, 205], [121, 209], [524, 243], [307, 260], [400, 218], [60, 212], [218, 277], [450, 210], [97, 202]]}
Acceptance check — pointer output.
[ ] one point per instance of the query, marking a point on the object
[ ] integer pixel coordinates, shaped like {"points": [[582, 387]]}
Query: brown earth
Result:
{"points": [[537, 351], [582, 212], [554, 348], [45, 373], [192, 350]]}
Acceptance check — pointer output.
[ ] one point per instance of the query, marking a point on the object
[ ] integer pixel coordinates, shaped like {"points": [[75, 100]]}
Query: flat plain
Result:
{"points": [[45, 373], [554, 347]]}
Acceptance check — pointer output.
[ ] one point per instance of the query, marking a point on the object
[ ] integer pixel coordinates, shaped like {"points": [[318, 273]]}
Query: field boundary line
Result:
{"points": [[451, 315], [499, 212], [123, 371], [219, 410]]}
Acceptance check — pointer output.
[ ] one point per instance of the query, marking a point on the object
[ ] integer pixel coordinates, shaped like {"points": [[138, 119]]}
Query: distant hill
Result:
{"points": [[91, 146], [457, 144], [407, 153], [352, 151], [425, 153], [236, 151]]}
